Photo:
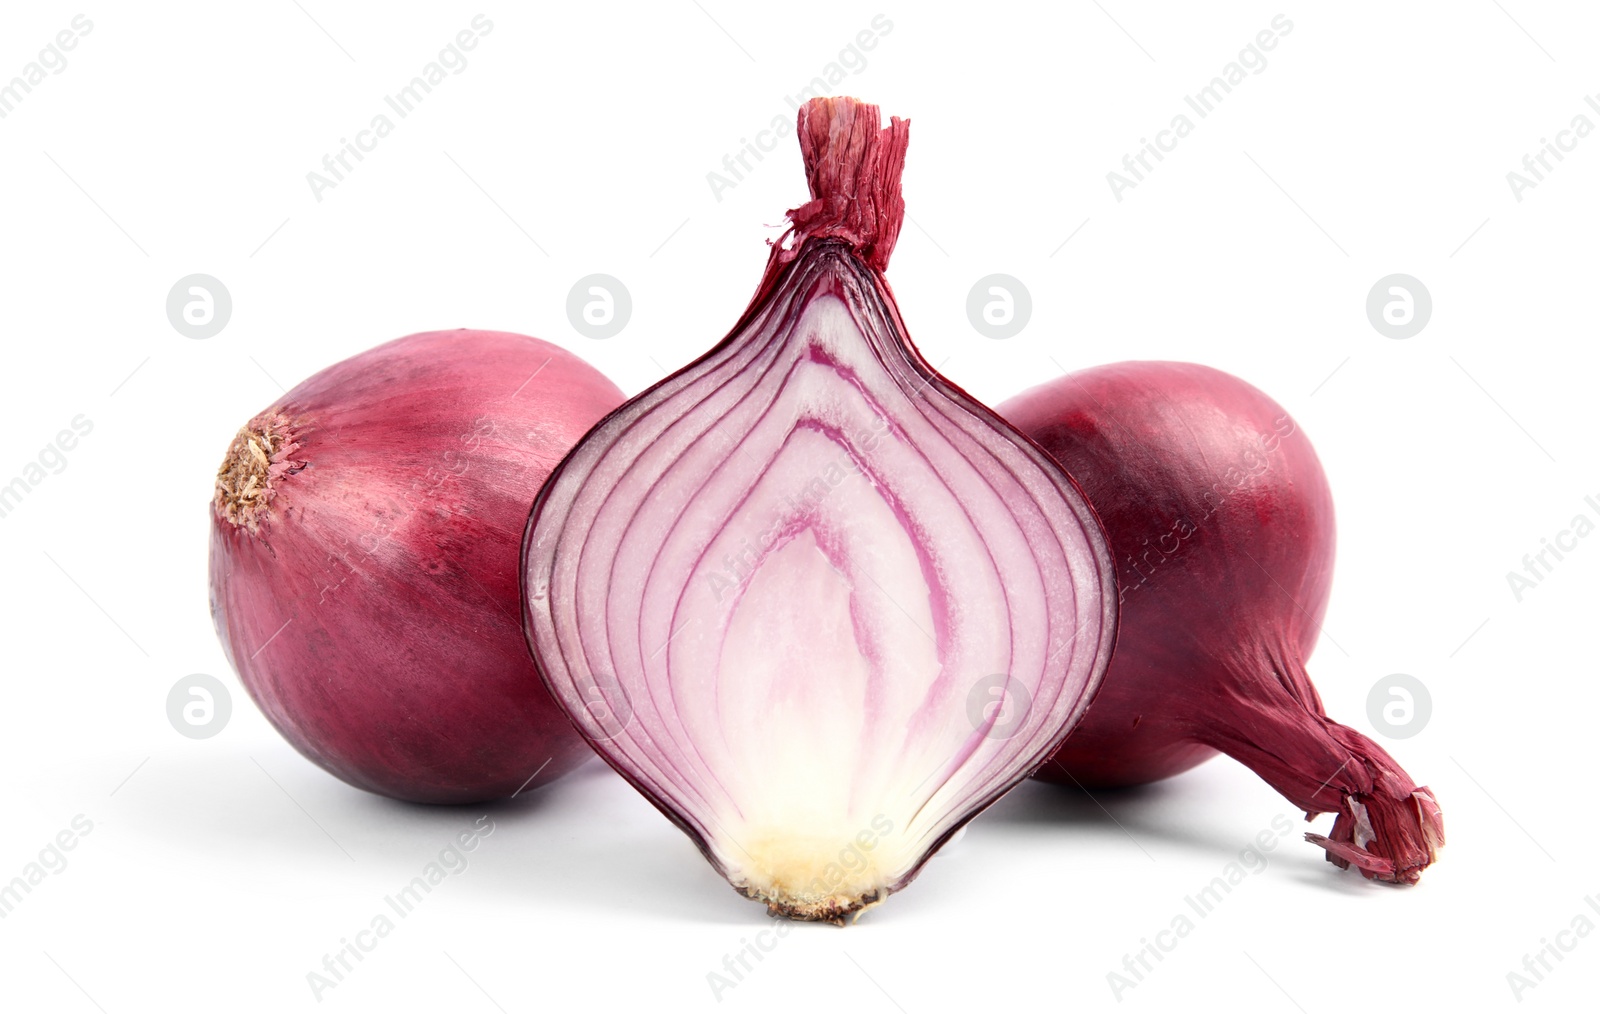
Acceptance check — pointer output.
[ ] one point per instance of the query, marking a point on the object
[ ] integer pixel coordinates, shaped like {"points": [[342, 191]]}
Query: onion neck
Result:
{"points": [[1386, 825], [261, 454], [853, 166]]}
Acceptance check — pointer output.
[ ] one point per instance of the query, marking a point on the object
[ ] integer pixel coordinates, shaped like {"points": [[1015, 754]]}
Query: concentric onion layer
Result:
{"points": [[813, 601]]}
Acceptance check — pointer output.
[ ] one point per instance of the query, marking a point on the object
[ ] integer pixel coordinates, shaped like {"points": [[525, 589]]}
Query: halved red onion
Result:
{"points": [[814, 601]]}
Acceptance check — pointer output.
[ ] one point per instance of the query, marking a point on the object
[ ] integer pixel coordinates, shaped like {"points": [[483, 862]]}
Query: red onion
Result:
{"points": [[814, 601], [1222, 524], [364, 543]]}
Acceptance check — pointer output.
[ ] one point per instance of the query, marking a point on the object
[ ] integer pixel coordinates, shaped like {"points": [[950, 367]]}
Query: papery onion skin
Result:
{"points": [[364, 562], [1222, 522], [820, 768]]}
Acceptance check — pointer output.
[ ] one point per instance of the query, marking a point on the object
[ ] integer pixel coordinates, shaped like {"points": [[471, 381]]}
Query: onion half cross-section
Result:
{"points": [[814, 601]]}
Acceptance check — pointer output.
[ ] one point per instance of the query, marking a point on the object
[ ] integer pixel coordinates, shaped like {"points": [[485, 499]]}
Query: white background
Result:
{"points": [[219, 872]]}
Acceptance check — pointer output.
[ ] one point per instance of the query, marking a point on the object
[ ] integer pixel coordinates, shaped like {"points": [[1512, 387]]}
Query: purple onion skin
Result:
{"points": [[369, 600], [1222, 523], [1194, 474]]}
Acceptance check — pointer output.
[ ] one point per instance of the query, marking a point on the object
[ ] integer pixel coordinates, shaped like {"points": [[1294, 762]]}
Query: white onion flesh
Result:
{"points": [[782, 590]]}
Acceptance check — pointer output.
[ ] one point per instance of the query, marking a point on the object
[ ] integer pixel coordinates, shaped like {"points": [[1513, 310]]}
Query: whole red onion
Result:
{"points": [[364, 581], [1221, 521]]}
